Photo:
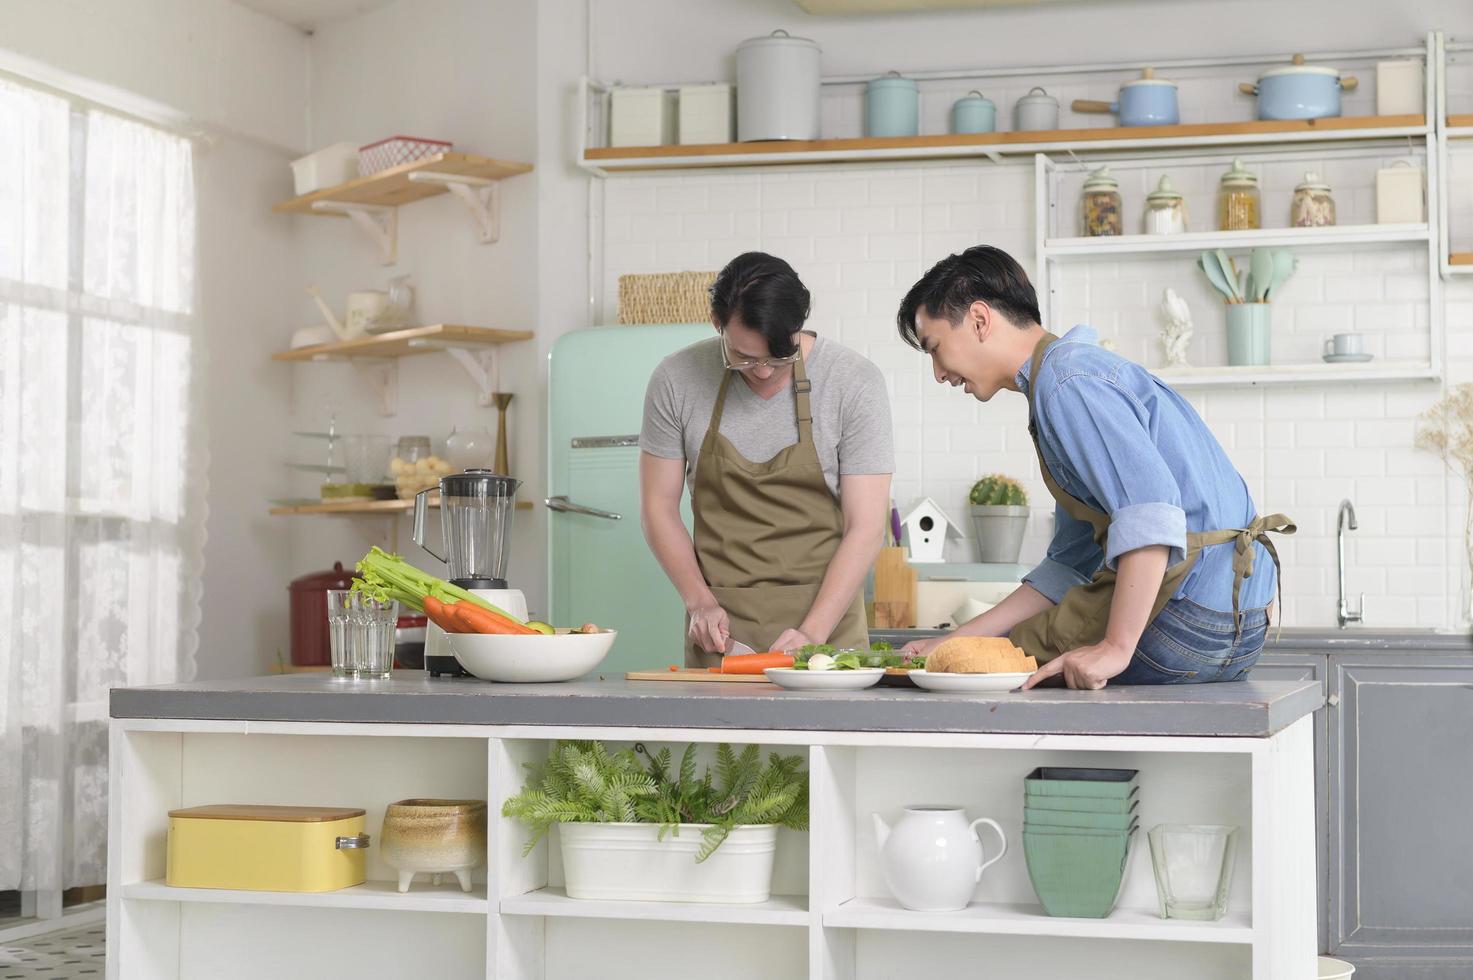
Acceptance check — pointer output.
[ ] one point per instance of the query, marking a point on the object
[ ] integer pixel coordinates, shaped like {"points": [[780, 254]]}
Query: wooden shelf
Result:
{"points": [[1031, 920], [391, 188], [1461, 259], [1196, 241], [1460, 127], [991, 144], [780, 910], [362, 507], [421, 897], [1296, 374], [403, 343]]}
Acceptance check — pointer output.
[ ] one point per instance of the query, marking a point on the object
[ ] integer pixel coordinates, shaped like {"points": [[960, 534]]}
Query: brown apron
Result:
{"points": [[1081, 618], [765, 534]]}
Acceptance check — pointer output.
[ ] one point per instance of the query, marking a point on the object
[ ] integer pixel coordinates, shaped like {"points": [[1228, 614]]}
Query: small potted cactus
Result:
{"points": [[999, 516]]}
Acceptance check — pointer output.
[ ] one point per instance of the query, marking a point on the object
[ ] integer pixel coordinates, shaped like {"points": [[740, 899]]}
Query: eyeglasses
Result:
{"points": [[747, 363]]}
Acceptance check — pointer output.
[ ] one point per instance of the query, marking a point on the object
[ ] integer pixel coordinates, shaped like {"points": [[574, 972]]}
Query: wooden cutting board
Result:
{"points": [[694, 674]]}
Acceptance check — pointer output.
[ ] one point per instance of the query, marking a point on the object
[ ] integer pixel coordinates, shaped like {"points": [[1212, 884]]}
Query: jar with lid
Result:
{"points": [[1166, 210], [1312, 206], [1237, 199], [1100, 204]]}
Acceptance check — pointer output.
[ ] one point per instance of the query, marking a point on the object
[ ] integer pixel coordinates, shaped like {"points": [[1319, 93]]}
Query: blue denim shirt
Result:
{"points": [[1116, 437]]}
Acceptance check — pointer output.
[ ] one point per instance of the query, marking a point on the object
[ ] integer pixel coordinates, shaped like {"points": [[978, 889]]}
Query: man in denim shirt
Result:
{"points": [[1160, 570]]}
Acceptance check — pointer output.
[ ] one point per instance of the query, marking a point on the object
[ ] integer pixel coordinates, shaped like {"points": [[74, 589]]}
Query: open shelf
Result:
{"points": [[403, 343], [1460, 127], [1267, 237], [1296, 374], [393, 187], [996, 144], [361, 507], [1031, 920], [1460, 263], [780, 910], [421, 897]]}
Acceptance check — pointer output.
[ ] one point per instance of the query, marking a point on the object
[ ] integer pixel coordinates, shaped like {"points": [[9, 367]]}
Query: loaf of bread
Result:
{"points": [[979, 655]]}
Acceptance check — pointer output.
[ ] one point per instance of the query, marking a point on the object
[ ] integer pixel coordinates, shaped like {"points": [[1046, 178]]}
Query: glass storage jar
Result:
{"points": [[1166, 210], [1237, 199], [1100, 204], [1312, 206]]}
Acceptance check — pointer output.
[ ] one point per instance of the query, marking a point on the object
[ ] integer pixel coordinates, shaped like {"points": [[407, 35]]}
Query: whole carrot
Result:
{"points": [[474, 619], [439, 614], [754, 663]]}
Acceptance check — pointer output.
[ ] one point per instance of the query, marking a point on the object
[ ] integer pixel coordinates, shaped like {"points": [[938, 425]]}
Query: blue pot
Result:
{"points": [[1299, 92], [1148, 102], [891, 106], [973, 114]]}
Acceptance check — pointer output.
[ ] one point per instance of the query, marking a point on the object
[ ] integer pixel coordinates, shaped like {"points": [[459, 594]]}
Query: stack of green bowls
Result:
{"points": [[1078, 825]]}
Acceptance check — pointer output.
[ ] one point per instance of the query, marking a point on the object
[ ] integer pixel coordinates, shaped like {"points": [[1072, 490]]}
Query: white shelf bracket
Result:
{"points": [[481, 197], [379, 223], [381, 377], [480, 364]]}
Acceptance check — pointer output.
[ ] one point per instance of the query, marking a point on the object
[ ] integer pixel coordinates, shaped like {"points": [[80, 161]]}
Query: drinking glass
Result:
{"points": [[1194, 869], [373, 636], [340, 632]]}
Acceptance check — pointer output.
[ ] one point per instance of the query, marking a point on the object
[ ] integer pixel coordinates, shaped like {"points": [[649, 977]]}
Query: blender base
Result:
{"points": [[439, 661]]}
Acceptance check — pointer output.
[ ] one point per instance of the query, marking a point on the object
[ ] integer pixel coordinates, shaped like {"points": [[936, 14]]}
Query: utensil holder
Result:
{"points": [[1248, 334]]}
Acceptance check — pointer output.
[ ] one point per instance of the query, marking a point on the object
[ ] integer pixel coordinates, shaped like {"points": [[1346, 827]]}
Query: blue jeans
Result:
{"points": [[1191, 644]]}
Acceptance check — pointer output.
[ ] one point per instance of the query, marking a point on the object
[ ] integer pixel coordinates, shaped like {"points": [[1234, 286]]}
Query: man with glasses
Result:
{"points": [[784, 438]]}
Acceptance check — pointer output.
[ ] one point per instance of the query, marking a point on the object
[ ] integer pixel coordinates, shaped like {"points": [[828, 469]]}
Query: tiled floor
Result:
{"points": [[76, 954]]}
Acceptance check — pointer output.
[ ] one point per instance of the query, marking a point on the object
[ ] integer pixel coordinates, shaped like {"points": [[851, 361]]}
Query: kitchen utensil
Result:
{"points": [[1261, 274], [327, 167], [707, 114], [738, 648], [824, 680], [371, 635], [468, 449], [1145, 101], [366, 458], [1400, 88], [1400, 198], [396, 151], [1229, 272], [696, 674], [1077, 781], [1312, 206], [891, 106], [434, 837], [1194, 869], [968, 683], [311, 643], [932, 858], [530, 658], [895, 525], [1248, 334], [1347, 358], [1208, 264], [895, 590], [644, 116], [1299, 91], [266, 848], [343, 329], [1036, 111], [1343, 344], [476, 509], [777, 88], [973, 113], [340, 630]]}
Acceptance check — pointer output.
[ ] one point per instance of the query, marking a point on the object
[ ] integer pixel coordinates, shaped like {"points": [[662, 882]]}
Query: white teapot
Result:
{"points": [[932, 858]]}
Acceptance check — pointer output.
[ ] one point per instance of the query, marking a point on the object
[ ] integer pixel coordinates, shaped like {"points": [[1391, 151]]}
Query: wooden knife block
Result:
{"points": [[895, 590]]}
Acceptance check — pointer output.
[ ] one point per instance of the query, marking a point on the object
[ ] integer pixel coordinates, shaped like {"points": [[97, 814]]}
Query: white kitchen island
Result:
{"points": [[1237, 754]]}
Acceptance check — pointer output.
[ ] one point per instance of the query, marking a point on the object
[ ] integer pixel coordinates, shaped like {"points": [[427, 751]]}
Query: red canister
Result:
{"points": [[310, 644]]}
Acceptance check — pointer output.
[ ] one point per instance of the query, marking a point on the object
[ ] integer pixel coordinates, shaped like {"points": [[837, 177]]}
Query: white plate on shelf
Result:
{"points": [[825, 680], [1347, 358], [970, 683]]}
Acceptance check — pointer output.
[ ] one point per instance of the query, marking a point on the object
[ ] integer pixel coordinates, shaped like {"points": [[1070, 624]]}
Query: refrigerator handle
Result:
{"points": [[563, 505]]}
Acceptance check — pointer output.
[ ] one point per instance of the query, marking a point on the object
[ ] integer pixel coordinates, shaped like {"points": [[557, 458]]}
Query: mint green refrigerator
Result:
{"points": [[599, 568]]}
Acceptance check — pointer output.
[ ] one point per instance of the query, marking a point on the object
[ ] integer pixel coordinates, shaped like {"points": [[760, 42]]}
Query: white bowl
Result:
{"points": [[971, 683], [824, 680], [535, 659]]}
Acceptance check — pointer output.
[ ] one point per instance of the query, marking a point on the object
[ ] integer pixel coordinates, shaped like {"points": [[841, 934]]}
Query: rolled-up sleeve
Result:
{"points": [[1102, 433], [1073, 558]]}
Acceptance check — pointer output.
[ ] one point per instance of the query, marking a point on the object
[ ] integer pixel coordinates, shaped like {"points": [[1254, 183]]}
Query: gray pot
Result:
{"points": [[999, 531]]}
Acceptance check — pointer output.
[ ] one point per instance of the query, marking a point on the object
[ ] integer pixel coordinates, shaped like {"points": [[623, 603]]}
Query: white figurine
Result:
{"points": [[1177, 334]]}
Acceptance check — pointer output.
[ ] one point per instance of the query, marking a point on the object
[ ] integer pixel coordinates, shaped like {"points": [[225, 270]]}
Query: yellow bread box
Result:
{"points": [[266, 848]]}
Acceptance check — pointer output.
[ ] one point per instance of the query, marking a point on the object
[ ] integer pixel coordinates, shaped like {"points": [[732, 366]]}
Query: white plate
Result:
{"points": [[1347, 358], [824, 680], [534, 659], [974, 683]]}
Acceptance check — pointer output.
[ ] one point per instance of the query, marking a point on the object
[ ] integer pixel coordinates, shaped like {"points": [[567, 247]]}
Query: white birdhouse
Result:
{"points": [[926, 530]]}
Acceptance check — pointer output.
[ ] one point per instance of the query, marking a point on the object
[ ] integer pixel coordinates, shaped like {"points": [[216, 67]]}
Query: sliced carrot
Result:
{"points": [[475, 619], [754, 663], [674, 669]]}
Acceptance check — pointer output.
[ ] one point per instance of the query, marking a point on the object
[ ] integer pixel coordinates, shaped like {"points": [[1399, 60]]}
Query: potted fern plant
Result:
{"points": [[999, 517], [632, 828]]}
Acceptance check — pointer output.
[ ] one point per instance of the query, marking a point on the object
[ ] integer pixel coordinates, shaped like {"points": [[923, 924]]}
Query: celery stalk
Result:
{"points": [[387, 576]]}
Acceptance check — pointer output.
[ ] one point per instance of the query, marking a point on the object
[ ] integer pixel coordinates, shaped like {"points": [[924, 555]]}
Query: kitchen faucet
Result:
{"points": [[1344, 614]]}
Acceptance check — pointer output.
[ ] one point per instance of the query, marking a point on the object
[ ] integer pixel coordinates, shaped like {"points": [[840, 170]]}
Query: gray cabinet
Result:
{"points": [[1400, 890]]}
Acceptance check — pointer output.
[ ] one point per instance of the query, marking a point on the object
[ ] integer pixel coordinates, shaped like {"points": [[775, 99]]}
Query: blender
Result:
{"points": [[476, 508]]}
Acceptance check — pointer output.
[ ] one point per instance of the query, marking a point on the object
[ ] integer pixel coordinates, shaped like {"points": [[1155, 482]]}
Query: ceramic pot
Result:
{"points": [[932, 857], [436, 837]]}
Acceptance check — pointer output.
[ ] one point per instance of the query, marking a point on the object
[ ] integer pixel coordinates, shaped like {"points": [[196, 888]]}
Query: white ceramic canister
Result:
{"points": [[777, 88], [1036, 111]]}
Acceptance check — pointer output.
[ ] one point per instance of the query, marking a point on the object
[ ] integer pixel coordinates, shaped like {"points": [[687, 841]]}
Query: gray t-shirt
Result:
{"points": [[851, 411]]}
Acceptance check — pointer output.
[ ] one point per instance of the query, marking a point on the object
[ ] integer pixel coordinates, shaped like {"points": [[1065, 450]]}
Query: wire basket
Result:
{"points": [[666, 297]]}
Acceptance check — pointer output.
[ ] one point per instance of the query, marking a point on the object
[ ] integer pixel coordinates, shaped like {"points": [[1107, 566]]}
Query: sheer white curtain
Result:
{"points": [[101, 475]]}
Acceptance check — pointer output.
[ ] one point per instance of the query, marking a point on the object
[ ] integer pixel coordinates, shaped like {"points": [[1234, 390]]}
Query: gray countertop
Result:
{"points": [[1242, 709], [1298, 639]]}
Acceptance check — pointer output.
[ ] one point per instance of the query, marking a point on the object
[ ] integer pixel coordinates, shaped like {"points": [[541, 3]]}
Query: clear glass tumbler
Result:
{"points": [[373, 636], [340, 632], [1194, 869]]}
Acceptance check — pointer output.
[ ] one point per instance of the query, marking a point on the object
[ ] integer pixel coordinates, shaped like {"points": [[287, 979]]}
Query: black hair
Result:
{"points": [[957, 281], [766, 294]]}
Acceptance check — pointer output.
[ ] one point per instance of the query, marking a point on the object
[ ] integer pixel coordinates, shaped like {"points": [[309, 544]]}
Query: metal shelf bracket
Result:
{"points": [[379, 223], [481, 197]]}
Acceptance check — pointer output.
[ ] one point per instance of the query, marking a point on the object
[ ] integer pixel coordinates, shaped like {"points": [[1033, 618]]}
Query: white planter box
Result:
{"points": [[628, 861], [642, 117]]}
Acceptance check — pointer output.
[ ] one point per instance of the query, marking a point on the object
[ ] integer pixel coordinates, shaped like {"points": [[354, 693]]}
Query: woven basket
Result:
{"points": [[666, 297]]}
